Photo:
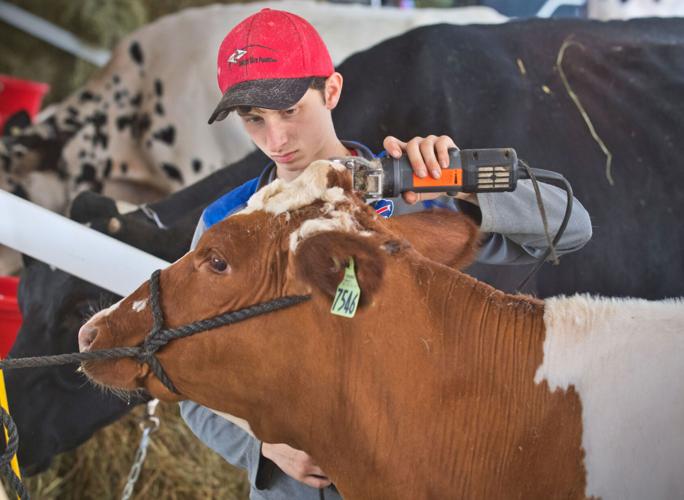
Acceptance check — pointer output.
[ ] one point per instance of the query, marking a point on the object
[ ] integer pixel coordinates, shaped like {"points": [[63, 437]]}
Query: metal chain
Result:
{"points": [[149, 424]]}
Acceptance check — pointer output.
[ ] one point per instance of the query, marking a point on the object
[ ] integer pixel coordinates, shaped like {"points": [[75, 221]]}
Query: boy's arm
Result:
{"points": [[511, 219], [515, 231], [235, 445]]}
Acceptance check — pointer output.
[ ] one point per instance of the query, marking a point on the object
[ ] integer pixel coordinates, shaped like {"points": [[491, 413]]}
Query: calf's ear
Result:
{"points": [[450, 238], [320, 260]]}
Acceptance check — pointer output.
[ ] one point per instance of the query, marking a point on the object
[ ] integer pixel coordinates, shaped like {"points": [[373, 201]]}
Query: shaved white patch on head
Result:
{"points": [[280, 197], [337, 220], [624, 358], [312, 184], [139, 305]]}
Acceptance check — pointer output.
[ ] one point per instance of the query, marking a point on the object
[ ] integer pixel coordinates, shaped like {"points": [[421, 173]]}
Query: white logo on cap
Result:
{"points": [[235, 56]]}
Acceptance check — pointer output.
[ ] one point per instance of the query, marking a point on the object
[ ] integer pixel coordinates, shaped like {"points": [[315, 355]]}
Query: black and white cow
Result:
{"points": [[494, 86], [485, 86], [138, 131]]}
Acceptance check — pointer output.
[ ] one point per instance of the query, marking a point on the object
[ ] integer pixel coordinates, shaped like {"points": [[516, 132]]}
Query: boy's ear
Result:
{"points": [[333, 90], [320, 261]]}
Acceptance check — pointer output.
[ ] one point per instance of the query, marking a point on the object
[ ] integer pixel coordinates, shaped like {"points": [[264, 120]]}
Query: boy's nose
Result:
{"points": [[276, 139]]}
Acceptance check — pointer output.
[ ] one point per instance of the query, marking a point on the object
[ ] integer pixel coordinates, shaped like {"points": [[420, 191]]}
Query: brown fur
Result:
{"points": [[446, 237], [341, 179], [428, 392], [321, 260]]}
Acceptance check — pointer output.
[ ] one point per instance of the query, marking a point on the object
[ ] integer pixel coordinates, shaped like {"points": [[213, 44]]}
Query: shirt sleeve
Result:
{"points": [[513, 227], [235, 445]]}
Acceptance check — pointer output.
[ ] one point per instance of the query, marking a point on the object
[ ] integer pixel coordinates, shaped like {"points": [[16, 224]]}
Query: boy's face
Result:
{"points": [[297, 136]]}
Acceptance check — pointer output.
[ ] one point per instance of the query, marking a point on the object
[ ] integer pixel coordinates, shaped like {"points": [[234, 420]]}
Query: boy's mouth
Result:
{"points": [[284, 158]]}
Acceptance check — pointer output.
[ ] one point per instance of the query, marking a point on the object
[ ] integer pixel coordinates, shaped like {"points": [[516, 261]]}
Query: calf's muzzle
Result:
{"points": [[86, 337]]}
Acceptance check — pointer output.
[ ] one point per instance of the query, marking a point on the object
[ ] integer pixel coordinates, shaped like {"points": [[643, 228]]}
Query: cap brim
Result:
{"points": [[275, 93]]}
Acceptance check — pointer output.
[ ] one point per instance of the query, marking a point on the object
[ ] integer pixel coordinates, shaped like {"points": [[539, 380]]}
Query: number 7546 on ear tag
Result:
{"points": [[348, 293]]}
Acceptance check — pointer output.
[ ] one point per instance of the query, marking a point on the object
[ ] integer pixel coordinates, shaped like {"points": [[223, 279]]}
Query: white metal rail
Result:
{"points": [[52, 34], [73, 247]]}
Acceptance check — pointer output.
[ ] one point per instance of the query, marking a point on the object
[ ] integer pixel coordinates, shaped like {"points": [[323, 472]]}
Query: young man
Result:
{"points": [[275, 72]]}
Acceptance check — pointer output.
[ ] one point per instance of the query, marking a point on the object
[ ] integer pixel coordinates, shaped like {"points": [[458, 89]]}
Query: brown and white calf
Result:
{"points": [[440, 386]]}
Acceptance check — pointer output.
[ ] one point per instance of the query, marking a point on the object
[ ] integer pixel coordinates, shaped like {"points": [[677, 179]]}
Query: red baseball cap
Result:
{"points": [[268, 61]]}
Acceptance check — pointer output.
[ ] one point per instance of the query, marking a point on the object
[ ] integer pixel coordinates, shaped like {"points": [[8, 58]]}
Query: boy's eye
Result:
{"points": [[290, 111], [251, 119]]}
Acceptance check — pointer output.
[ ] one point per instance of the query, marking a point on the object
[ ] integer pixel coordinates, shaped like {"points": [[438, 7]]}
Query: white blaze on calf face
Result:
{"points": [[625, 358], [139, 305], [312, 185]]}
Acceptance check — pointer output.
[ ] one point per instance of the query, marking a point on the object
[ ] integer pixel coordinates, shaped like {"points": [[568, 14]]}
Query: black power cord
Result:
{"points": [[533, 174]]}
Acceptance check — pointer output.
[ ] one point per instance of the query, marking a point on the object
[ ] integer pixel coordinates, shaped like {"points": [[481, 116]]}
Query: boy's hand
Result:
{"points": [[425, 154], [296, 464]]}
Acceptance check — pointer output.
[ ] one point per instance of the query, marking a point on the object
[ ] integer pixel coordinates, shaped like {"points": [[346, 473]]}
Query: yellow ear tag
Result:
{"points": [[348, 293]]}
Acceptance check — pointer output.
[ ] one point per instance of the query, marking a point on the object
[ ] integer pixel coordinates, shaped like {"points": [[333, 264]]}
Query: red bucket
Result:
{"points": [[10, 317], [19, 98]]}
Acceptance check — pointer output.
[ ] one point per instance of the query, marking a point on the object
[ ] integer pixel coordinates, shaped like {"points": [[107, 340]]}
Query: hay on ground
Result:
{"points": [[178, 465]]}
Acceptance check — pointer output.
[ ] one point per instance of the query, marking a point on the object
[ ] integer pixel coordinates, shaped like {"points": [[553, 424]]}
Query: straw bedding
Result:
{"points": [[178, 465]]}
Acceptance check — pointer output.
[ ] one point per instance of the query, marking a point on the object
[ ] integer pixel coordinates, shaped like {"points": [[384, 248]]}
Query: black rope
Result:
{"points": [[154, 341], [65, 359], [547, 175], [157, 338], [155, 295], [7, 455], [163, 337], [542, 211]]}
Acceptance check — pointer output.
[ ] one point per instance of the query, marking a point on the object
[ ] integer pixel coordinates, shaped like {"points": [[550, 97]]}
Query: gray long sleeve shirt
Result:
{"points": [[514, 234]]}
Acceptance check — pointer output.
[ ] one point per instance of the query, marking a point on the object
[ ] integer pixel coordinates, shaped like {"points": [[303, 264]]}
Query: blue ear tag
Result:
{"points": [[348, 293]]}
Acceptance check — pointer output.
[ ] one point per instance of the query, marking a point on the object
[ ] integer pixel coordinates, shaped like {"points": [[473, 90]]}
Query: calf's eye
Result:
{"points": [[218, 264]]}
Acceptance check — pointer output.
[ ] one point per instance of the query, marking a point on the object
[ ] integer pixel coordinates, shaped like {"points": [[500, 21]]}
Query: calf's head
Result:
{"points": [[31, 165], [293, 238]]}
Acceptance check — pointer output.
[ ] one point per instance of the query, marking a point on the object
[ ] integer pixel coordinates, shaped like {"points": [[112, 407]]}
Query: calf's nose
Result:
{"points": [[86, 337]]}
